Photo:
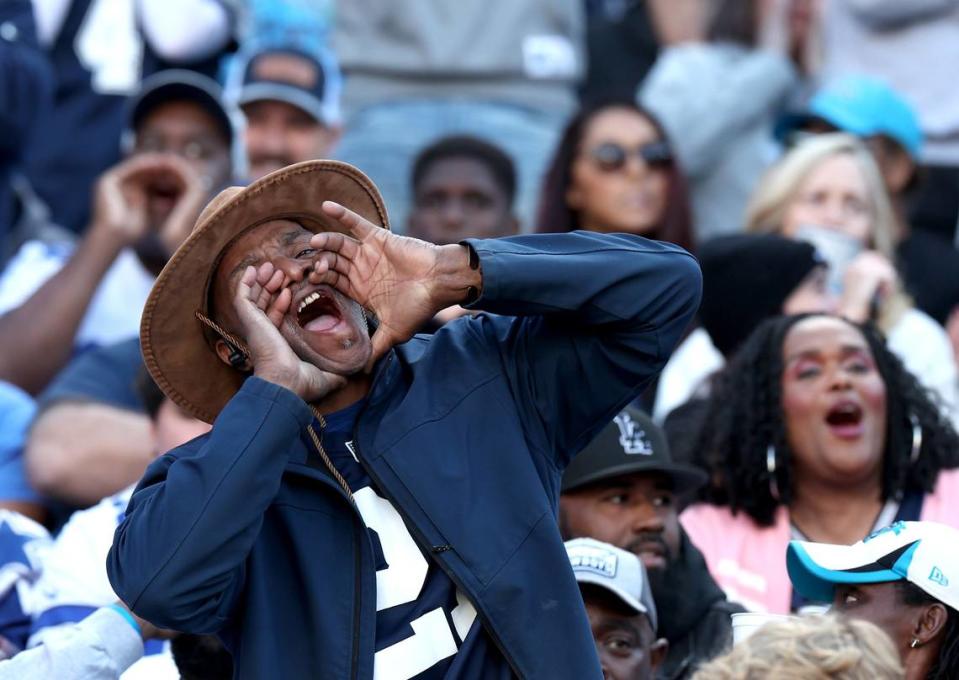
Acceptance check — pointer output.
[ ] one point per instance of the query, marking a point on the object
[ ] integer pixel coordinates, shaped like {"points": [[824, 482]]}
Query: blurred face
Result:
{"points": [[172, 427], [812, 295], [323, 326], [634, 512], [627, 646], [279, 134], [834, 401], [834, 195], [458, 198], [880, 604], [613, 188], [187, 130]]}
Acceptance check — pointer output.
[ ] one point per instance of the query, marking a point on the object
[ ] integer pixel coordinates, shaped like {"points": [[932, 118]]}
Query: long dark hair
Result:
{"points": [[744, 415], [555, 215]]}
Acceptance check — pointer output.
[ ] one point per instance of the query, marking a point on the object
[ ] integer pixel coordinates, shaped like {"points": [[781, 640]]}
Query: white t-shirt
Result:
{"points": [[114, 311]]}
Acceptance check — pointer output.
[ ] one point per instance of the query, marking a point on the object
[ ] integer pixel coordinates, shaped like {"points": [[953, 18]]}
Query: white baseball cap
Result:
{"points": [[923, 553], [618, 571]]}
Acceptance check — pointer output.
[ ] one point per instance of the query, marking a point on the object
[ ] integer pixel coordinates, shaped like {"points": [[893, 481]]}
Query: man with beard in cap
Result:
{"points": [[624, 489], [328, 525], [91, 438]]}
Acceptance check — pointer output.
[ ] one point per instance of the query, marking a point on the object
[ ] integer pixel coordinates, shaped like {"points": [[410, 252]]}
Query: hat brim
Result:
{"points": [[684, 478], [176, 348], [815, 569], [602, 582], [294, 96]]}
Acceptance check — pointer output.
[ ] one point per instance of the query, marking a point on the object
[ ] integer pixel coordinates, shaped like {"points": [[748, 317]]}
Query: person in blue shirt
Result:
{"points": [[370, 503]]}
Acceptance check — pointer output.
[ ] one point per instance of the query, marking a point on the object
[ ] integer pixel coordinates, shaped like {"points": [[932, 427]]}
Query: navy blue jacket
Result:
{"points": [[466, 432]]}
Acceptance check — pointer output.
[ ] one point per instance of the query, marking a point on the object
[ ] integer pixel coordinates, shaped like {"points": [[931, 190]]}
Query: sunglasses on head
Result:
{"points": [[611, 157]]}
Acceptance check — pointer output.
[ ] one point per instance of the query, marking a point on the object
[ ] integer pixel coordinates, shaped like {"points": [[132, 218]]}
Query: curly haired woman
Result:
{"points": [[814, 431]]}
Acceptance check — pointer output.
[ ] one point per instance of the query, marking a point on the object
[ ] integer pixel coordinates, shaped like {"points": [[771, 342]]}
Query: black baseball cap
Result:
{"points": [[296, 77], [180, 85], [631, 443]]}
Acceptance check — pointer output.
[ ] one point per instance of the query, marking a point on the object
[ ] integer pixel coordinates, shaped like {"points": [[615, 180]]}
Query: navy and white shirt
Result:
{"points": [[425, 628]]}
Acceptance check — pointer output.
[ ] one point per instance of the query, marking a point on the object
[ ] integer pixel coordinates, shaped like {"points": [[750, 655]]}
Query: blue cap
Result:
{"points": [[864, 107]]}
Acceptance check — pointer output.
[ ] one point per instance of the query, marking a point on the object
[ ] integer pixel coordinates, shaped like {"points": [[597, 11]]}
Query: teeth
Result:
{"points": [[308, 300]]}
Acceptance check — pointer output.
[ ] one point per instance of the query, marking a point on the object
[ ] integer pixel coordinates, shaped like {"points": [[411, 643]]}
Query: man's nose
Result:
{"points": [[453, 213], [644, 518], [293, 269]]}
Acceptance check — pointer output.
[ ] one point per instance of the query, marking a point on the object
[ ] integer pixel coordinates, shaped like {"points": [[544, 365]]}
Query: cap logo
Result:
{"points": [[936, 576], [632, 437], [602, 563], [286, 68], [896, 527]]}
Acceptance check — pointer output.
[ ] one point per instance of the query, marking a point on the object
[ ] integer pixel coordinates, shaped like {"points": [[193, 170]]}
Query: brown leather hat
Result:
{"points": [[177, 348]]}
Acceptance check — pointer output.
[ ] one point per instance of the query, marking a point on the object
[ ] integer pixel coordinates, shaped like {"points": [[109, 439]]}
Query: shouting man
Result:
{"points": [[369, 503]]}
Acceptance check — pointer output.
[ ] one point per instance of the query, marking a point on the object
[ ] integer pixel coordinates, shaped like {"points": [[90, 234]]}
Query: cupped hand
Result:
{"points": [[869, 277], [261, 302], [189, 202], [404, 281]]}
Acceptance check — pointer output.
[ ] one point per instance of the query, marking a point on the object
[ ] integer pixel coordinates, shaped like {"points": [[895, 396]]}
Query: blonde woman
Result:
{"points": [[809, 648], [828, 190]]}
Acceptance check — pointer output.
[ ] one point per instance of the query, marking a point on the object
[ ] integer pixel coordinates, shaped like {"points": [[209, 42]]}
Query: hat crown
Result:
{"points": [[630, 443], [216, 203]]}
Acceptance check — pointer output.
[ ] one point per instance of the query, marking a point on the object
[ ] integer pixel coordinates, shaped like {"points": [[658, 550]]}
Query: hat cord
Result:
{"points": [[326, 459], [239, 353]]}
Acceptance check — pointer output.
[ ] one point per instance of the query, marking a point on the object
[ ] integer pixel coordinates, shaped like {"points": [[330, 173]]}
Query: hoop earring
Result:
{"points": [[915, 643], [916, 438], [771, 469]]}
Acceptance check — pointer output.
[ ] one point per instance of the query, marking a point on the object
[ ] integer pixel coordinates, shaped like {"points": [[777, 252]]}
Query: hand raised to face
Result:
{"points": [[261, 301], [404, 281], [149, 189]]}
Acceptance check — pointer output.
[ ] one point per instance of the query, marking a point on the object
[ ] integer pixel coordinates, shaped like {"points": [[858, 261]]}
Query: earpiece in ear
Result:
{"points": [[238, 358]]}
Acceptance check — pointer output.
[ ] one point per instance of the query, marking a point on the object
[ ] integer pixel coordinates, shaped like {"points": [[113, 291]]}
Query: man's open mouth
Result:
{"points": [[318, 312]]}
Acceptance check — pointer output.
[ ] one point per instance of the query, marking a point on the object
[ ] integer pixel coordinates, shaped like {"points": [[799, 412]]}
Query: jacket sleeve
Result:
{"points": [[178, 555], [101, 647], [598, 316]]}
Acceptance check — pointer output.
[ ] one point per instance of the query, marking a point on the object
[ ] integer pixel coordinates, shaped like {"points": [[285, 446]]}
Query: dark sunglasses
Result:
{"points": [[611, 157]]}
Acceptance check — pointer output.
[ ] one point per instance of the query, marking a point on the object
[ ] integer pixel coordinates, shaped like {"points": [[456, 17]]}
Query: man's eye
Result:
{"points": [[663, 501], [306, 252], [620, 645], [617, 499]]}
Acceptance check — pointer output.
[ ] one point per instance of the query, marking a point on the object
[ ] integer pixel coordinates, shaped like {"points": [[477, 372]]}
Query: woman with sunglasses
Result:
{"points": [[614, 171]]}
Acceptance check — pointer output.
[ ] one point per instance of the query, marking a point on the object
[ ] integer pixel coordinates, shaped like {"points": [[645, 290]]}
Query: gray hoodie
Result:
{"points": [[718, 103], [523, 52]]}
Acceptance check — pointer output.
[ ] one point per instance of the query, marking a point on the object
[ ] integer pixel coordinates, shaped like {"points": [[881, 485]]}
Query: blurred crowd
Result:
{"points": [[806, 152]]}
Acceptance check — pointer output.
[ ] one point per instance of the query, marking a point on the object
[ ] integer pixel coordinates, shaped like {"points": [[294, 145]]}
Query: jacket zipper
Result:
{"points": [[421, 541], [357, 563]]}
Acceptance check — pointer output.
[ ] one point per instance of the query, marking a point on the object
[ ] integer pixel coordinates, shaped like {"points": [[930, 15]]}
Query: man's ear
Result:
{"points": [[657, 652], [931, 623], [233, 357]]}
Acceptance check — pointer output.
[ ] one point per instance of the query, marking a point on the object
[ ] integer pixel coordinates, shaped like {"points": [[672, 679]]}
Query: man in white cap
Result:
{"points": [[904, 579], [619, 603]]}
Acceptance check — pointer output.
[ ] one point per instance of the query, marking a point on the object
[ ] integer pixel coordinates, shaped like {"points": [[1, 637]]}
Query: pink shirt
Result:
{"points": [[749, 561]]}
